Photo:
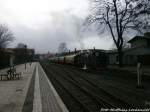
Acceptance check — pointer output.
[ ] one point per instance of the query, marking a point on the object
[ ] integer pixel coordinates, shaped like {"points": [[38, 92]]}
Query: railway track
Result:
{"points": [[102, 95], [137, 99], [71, 102], [120, 83], [86, 94], [104, 98], [82, 101], [80, 93]]}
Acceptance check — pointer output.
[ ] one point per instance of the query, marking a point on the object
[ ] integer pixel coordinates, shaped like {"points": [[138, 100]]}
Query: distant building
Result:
{"points": [[13, 56], [6, 58], [23, 55], [43, 56], [140, 50]]}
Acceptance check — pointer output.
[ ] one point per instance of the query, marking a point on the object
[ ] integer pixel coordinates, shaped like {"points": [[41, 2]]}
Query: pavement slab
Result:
{"points": [[33, 92], [13, 92], [51, 102]]}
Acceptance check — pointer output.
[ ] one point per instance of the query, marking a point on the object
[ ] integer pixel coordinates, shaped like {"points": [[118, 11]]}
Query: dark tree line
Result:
{"points": [[120, 17]]}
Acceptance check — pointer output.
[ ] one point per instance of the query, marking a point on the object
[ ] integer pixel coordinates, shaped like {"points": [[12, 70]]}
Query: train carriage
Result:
{"points": [[94, 59], [70, 59]]}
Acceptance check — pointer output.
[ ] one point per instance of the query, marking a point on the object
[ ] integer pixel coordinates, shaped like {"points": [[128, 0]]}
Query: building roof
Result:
{"points": [[147, 34], [7, 51], [138, 51], [115, 51], [137, 38], [145, 37]]}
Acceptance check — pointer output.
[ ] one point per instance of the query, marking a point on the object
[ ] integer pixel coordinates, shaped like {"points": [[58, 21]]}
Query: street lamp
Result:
{"points": [[25, 46]]}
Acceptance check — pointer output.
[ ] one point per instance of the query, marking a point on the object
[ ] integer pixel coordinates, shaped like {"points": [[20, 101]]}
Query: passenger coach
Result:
{"points": [[92, 58]]}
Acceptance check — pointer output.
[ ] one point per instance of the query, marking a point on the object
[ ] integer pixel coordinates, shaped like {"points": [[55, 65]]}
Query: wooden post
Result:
{"points": [[139, 71], [138, 74], [11, 60]]}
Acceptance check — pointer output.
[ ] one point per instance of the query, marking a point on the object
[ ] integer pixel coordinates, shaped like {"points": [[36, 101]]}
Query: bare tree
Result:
{"points": [[120, 17], [6, 36], [62, 47]]}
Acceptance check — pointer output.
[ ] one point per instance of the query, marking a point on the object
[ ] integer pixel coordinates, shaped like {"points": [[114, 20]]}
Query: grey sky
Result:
{"points": [[43, 24]]}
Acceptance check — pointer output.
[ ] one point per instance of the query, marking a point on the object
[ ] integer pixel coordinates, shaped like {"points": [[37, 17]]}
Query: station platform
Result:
{"points": [[32, 93]]}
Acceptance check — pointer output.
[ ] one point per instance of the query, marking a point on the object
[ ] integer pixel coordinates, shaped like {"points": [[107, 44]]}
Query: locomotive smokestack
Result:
{"points": [[94, 48], [69, 51], [75, 50]]}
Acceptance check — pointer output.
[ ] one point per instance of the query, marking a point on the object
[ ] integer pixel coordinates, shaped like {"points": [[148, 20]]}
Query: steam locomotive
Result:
{"points": [[90, 58]]}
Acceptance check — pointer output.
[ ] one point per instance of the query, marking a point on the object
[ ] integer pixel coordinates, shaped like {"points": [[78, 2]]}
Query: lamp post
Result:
{"points": [[11, 61], [25, 46]]}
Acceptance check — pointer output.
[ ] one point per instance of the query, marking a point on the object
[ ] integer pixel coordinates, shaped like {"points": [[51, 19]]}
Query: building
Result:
{"points": [[139, 51], [23, 55], [13, 56], [6, 58]]}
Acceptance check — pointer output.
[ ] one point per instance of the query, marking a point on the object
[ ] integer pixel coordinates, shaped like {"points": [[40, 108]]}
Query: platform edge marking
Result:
{"points": [[57, 97], [37, 105]]}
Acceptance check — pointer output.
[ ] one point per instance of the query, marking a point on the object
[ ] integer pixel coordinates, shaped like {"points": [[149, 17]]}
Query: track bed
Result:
{"points": [[87, 92]]}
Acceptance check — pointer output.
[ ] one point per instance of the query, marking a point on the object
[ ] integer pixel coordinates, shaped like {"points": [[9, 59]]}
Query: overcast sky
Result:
{"points": [[43, 24]]}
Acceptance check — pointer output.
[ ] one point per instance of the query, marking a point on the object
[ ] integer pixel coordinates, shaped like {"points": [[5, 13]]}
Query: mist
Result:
{"points": [[43, 25]]}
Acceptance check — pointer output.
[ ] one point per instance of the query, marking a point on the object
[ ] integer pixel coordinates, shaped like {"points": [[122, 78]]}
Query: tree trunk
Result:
{"points": [[120, 56]]}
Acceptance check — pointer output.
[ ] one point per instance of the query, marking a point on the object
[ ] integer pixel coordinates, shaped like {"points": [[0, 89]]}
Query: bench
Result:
{"points": [[17, 75], [11, 74], [4, 75]]}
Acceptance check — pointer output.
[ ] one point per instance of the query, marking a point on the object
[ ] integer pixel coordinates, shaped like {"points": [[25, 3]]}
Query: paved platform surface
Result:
{"points": [[13, 92], [32, 93], [51, 102]]}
